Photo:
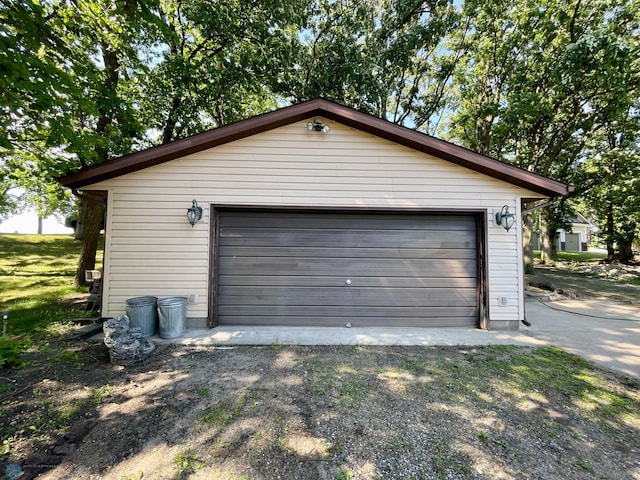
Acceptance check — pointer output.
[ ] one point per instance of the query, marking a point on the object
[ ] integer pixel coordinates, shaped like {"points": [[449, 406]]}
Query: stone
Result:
{"points": [[126, 344]]}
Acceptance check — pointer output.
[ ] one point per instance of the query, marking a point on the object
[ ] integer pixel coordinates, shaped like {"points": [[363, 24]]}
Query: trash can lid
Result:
{"points": [[172, 300], [141, 300]]}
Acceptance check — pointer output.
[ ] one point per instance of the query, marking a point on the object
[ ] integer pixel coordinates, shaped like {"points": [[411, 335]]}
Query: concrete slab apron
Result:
{"points": [[605, 333], [608, 336], [351, 336]]}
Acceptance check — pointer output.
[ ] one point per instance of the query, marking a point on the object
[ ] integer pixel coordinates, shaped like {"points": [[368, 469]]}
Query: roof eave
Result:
{"points": [[196, 143], [330, 110]]}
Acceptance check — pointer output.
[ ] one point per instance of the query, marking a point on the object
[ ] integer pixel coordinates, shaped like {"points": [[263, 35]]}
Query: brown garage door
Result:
{"points": [[327, 269]]}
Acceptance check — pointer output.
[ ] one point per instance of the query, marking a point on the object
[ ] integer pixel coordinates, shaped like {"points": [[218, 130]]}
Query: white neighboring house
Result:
{"points": [[320, 215], [577, 240]]}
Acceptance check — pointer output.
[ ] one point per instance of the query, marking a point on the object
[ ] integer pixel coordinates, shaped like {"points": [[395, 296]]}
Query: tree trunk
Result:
{"points": [[170, 124], [91, 208], [527, 248], [610, 234], [626, 245], [78, 231], [547, 237], [91, 216], [39, 225]]}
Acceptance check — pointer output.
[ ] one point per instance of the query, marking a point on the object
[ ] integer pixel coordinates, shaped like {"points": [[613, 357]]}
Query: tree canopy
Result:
{"points": [[543, 85]]}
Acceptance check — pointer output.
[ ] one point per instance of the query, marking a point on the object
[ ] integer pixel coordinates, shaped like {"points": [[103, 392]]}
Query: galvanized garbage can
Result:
{"points": [[172, 316], [142, 314]]}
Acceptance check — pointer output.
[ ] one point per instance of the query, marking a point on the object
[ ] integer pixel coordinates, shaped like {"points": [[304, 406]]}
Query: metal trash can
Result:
{"points": [[142, 314], [172, 317]]}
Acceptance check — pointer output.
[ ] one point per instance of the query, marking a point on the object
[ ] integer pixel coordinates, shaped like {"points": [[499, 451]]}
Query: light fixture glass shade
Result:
{"points": [[318, 126], [508, 221], [194, 214], [505, 218]]}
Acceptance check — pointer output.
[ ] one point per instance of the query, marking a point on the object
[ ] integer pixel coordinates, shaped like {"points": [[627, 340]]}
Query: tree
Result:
{"points": [[389, 58], [89, 80], [93, 79], [540, 81], [206, 70], [31, 88], [9, 200], [610, 184]]}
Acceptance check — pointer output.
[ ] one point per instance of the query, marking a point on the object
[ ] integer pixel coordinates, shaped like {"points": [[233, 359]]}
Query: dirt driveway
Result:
{"points": [[343, 412]]}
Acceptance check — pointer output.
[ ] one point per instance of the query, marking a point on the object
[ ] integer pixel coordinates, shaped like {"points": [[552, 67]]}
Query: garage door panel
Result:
{"points": [[330, 281], [435, 321], [342, 252], [345, 268], [268, 296], [348, 239], [327, 269], [347, 311], [457, 242], [336, 301], [347, 221]]}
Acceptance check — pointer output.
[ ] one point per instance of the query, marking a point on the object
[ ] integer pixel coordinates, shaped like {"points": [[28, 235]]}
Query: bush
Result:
{"points": [[11, 349]]}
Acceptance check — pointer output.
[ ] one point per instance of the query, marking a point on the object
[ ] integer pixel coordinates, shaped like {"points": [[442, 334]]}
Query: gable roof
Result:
{"points": [[579, 219], [329, 110]]}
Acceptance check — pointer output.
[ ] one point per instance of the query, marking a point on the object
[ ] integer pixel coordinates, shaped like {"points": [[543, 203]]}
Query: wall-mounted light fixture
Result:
{"points": [[318, 126], [194, 214], [505, 218]]}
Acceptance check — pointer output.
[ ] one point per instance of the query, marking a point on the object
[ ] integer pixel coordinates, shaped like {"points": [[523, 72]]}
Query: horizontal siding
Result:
{"points": [[298, 183], [153, 248]]}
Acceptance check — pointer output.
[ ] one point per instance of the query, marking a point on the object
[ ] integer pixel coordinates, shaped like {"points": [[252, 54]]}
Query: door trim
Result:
{"points": [[481, 236]]}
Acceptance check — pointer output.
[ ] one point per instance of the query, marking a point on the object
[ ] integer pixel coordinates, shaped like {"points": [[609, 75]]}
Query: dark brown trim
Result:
{"points": [[483, 287], [481, 236], [364, 209], [329, 110], [212, 319]]}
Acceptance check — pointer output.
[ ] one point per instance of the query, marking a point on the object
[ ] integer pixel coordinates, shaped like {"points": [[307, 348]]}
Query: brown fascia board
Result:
{"points": [[326, 109]]}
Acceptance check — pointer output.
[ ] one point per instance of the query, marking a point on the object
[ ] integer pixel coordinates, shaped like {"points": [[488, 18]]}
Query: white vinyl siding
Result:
{"points": [[154, 251]]}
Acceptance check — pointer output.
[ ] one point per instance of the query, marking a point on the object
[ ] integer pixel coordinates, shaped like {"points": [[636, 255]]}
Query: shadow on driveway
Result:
{"points": [[606, 333]]}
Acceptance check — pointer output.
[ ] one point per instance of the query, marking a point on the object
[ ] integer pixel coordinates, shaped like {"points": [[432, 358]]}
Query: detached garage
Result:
{"points": [[317, 215]]}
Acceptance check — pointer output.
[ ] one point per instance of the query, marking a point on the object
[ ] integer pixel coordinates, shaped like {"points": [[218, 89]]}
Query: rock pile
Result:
{"points": [[126, 344]]}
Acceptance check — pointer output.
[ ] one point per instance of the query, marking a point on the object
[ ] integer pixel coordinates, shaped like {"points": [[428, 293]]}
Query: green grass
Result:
{"points": [[344, 474], [223, 411], [36, 276], [549, 370], [187, 462], [576, 256]]}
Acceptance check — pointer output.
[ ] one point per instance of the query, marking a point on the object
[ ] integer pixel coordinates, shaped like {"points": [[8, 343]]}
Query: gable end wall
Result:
{"points": [[150, 249]]}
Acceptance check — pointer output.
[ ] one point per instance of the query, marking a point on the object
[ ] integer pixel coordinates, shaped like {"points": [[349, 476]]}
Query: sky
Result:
{"points": [[27, 222]]}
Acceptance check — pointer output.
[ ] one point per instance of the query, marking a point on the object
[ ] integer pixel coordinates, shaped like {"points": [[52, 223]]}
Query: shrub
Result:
{"points": [[11, 350]]}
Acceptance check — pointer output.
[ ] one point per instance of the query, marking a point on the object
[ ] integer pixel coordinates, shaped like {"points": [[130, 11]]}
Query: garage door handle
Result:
{"points": [[348, 282]]}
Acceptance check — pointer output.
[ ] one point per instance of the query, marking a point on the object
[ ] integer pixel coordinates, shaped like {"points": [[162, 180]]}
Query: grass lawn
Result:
{"points": [[576, 256], [36, 277]]}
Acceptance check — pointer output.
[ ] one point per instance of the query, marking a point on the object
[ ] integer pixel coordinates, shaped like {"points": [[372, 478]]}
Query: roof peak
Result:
{"points": [[301, 111]]}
